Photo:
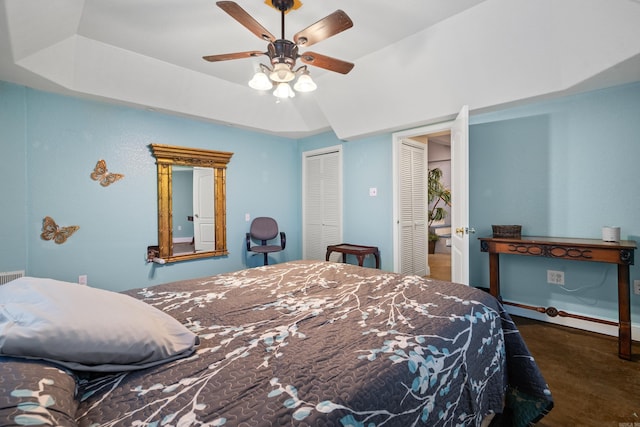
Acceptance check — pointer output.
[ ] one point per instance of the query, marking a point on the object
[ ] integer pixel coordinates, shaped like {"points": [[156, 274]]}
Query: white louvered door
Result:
{"points": [[412, 209], [322, 202]]}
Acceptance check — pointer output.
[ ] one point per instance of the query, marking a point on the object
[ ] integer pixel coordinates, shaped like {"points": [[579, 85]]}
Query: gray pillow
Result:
{"points": [[86, 328]]}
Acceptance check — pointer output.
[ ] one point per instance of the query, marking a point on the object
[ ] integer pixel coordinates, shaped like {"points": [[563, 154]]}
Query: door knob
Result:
{"points": [[463, 230]]}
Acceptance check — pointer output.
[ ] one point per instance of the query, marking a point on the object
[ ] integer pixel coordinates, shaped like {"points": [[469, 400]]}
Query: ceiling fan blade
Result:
{"points": [[329, 26], [241, 15], [236, 55], [326, 62]]}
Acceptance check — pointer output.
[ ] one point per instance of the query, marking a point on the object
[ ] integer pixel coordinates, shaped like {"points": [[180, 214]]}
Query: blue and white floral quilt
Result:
{"points": [[304, 343]]}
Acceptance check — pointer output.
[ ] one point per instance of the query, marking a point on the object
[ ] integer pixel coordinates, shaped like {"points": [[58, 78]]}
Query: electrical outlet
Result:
{"points": [[82, 279], [636, 287], [247, 217], [555, 277]]}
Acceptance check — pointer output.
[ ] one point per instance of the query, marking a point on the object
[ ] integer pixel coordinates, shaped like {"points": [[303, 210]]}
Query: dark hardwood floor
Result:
{"points": [[591, 386]]}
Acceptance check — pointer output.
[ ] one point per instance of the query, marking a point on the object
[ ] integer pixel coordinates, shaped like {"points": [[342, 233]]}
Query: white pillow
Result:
{"points": [[86, 328]]}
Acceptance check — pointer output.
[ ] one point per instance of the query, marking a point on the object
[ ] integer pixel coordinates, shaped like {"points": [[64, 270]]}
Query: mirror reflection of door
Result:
{"points": [[203, 210], [182, 209]]}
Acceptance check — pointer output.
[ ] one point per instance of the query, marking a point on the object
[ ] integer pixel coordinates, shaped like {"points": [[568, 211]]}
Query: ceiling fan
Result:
{"points": [[283, 53]]}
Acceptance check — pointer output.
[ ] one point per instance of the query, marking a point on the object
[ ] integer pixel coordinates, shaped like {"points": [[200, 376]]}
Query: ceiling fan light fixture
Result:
{"points": [[282, 73], [305, 83], [260, 81], [283, 53], [283, 91]]}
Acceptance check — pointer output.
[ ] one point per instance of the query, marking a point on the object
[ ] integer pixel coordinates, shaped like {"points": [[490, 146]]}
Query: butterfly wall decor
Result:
{"points": [[106, 178], [51, 231]]}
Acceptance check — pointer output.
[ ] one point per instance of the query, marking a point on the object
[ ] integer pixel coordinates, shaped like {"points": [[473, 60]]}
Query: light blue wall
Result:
{"points": [[57, 140], [563, 168], [13, 178], [182, 202]]}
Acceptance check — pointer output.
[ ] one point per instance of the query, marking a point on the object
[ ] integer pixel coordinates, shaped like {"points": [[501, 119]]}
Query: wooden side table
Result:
{"points": [[620, 253], [358, 250]]}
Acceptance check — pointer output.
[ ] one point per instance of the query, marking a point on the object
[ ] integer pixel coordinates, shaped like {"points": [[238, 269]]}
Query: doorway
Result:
{"points": [[418, 251], [439, 157], [437, 148], [457, 248]]}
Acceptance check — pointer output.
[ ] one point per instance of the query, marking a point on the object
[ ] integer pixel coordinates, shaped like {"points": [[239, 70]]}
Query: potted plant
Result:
{"points": [[439, 197]]}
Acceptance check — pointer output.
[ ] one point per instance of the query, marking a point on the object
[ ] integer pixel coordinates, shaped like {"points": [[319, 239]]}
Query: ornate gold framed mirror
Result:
{"points": [[199, 218]]}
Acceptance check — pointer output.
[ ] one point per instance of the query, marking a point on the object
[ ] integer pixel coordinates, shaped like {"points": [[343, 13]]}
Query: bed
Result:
{"points": [[301, 343]]}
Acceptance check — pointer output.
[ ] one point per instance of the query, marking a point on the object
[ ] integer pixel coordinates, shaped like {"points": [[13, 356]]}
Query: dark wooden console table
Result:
{"points": [[358, 250], [620, 253]]}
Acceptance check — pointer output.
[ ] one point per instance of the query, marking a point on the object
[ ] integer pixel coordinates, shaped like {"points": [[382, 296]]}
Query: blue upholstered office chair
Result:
{"points": [[264, 229]]}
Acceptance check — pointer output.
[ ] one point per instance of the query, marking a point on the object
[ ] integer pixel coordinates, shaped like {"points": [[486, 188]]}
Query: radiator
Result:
{"points": [[8, 276]]}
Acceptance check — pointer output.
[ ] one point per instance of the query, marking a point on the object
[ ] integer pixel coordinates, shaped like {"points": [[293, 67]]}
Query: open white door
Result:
{"points": [[460, 198], [203, 210]]}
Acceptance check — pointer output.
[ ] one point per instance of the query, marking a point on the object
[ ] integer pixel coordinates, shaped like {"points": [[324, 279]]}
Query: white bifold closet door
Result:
{"points": [[413, 209], [322, 202]]}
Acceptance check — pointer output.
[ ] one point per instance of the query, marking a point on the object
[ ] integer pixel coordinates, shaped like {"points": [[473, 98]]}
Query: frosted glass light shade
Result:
{"points": [[305, 84], [283, 90], [260, 81]]}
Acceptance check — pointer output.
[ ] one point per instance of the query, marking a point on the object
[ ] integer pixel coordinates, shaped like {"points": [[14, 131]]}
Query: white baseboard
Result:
{"points": [[585, 325]]}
